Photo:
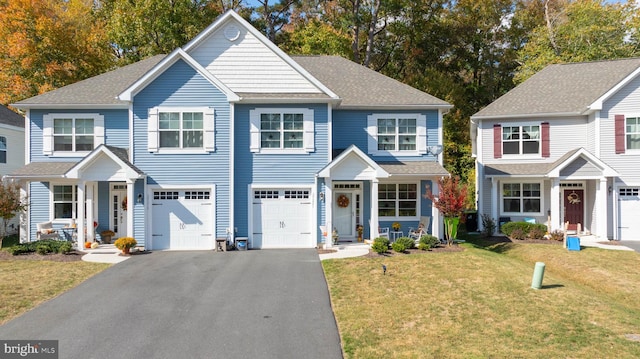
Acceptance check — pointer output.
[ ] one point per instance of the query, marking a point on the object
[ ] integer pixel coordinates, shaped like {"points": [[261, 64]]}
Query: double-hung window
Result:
{"points": [[397, 134], [72, 134], [521, 198], [632, 133], [281, 130], [181, 129], [3, 149], [397, 200], [64, 201], [521, 140]]}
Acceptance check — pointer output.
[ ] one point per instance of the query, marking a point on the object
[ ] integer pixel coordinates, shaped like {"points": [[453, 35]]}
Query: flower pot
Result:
{"points": [[126, 250], [106, 239]]}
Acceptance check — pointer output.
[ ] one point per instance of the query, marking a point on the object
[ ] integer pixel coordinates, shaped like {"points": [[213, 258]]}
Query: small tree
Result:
{"points": [[10, 204], [450, 201]]}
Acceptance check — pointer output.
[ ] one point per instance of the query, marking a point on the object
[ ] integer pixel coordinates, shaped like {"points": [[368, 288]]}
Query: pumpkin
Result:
{"points": [[87, 245]]}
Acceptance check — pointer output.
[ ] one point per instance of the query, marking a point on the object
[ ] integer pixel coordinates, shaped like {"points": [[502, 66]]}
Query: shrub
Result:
{"points": [[424, 246], [518, 234], [525, 227], [488, 225], [42, 247], [125, 242], [429, 241], [537, 233], [65, 248], [557, 235], [398, 247], [380, 245], [407, 242]]}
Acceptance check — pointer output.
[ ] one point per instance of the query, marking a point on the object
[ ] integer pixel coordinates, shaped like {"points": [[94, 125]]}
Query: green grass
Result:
{"points": [[479, 304]]}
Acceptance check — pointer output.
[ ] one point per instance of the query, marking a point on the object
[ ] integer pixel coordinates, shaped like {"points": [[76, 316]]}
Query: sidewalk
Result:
{"points": [[347, 251], [105, 253], [593, 241]]}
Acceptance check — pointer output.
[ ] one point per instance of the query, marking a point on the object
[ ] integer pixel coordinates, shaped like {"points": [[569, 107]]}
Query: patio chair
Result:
{"points": [[45, 230], [416, 233], [382, 232]]}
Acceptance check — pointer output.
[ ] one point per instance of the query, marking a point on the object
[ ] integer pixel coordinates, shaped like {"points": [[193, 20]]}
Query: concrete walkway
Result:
{"points": [[593, 241], [105, 253], [347, 251]]}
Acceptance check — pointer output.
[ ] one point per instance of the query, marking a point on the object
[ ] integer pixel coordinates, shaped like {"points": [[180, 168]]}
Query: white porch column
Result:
{"points": [[24, 218], [601, 202], [495, 195], [555, 204], [373, 226], [130, 205], [437, 229], [80, 214], [89, 201], [328, 200]]}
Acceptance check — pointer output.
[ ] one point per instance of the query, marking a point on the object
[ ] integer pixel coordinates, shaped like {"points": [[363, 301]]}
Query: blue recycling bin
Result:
{"points": [[573, 243]]}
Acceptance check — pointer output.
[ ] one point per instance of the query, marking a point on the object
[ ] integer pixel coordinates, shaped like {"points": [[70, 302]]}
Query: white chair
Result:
{"points": [[423, 226], [382, 232], [45, 230]]}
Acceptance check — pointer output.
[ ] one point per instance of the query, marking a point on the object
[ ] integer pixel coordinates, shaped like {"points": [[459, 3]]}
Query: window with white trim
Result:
{"points": [[64, 201], [521, 140], [632, 133], [397, 134], [184, 129], [521, 198], [397, 200], [72, 133], [3, 149], [281, 130]]}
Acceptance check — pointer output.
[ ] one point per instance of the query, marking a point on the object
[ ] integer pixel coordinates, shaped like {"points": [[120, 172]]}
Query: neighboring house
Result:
{"points": [[564, 146], [229, 136], [11, 148]]}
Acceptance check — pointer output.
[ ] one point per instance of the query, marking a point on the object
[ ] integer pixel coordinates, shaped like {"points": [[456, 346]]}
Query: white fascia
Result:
{"points": [[597, 104]]}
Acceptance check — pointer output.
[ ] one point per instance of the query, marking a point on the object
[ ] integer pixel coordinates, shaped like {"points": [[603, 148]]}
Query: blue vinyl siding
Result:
{"points": [[181, 85], [275, 169], [116, 125], [38, 205], [350, 127]]}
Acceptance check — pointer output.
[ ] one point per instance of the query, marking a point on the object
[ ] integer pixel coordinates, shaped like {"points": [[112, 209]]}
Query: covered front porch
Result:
{"points": [[83, 198], [357, 192]]}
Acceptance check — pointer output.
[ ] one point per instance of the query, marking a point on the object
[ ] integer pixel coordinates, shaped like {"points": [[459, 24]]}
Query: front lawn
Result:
{"points": [[478, 303]]}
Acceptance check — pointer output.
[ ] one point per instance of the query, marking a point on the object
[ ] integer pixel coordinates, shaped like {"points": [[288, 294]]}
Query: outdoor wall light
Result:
{"points": [[139, 197], [610, 189], [321, 196]]}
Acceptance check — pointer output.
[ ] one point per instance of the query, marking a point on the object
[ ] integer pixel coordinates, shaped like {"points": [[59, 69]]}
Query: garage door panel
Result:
{"points": [[282, 220], [629, 209]]}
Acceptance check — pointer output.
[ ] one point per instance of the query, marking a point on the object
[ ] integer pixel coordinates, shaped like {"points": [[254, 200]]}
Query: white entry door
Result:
{"points": [[344, 214], [282, 219], [118, 209]]}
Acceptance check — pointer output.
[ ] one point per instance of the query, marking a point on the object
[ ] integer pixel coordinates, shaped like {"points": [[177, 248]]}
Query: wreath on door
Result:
{"points": [[573, 198], [343, 201]]}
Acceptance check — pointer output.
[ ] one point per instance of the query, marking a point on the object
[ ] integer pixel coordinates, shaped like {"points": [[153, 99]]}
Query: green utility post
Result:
{"points": [[538, 273]]}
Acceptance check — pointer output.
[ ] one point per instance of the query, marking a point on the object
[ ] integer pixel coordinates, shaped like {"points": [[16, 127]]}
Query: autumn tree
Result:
{"points": [[48, 44], [576, 31], [451, 203], [10, 205]]}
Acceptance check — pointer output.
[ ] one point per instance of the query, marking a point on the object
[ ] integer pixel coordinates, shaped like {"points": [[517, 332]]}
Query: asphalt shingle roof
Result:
{"points": [[359, 86], [97, 90], [43, 169], [561, 89], [414, 168], [526, 169], [11, 118]]}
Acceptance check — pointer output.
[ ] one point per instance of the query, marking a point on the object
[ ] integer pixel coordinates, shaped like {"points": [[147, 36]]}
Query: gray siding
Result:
{"points": [[624, 102], [181, 85], [580, 167]]}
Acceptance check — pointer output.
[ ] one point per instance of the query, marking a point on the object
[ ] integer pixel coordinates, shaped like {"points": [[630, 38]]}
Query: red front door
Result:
{"points": [[574, 208]]}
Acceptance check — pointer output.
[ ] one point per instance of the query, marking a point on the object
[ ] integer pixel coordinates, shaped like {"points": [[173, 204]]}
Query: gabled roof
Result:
{"points": [[117, 155], [8, 117], [547, 170], [361, 87], [101, 90], [164, 64], [563, 89], [375, 170]]}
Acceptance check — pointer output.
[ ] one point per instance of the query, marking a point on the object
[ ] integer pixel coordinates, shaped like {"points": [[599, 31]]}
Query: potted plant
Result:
{"points": [[125, 244], [107, 235], [360, 229], [395, 226]]}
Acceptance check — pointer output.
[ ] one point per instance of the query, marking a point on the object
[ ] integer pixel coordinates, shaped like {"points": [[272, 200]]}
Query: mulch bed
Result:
{"points": [[72, 256]]}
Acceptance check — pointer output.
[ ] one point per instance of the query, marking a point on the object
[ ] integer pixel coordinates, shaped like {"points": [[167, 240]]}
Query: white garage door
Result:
{"points": [[282, 219], [629, 200], [182, 219]]}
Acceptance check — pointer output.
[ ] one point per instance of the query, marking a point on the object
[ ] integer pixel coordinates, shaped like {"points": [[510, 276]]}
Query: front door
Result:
{"points": [[118, 206], [344, 214], [574, 208]]}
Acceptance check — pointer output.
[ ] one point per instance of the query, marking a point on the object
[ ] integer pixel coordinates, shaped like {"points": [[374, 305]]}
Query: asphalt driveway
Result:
{"points": [[253, 304]]}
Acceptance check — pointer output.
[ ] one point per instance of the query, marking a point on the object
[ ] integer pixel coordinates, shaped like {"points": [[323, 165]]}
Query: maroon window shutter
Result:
{"points": [[497, 141], [545, 139], [620, 137]]}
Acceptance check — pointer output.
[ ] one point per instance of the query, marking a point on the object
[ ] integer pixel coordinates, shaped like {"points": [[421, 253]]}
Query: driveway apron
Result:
{"points": [[253, 304]]}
